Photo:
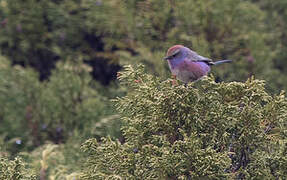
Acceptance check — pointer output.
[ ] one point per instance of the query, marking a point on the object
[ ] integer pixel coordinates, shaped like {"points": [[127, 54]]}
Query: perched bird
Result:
{"points": [[186, 65]]}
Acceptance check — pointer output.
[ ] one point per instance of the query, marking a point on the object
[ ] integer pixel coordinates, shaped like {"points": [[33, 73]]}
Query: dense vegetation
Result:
{"points": [[64, 114]]}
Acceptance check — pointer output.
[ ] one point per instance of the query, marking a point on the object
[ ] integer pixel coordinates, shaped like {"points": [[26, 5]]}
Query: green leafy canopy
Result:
{"points": [[207, 129]]}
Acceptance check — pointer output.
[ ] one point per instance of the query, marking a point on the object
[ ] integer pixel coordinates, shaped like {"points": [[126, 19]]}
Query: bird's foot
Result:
{"points": [[174, 81]]}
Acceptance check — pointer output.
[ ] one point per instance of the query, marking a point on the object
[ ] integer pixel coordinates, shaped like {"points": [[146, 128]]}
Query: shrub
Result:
{"points": [[212, 130], [14, 169], [38, 33], [67, 105]]}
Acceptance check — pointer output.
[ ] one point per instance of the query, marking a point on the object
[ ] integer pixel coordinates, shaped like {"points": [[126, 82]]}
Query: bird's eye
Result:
{"points": [[175, 53]]}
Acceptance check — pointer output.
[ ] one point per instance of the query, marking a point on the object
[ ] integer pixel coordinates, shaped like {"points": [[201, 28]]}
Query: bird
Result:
{"points": [[188, 66]]}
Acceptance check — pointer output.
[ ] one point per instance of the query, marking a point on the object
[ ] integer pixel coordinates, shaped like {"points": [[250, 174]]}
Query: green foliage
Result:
{"points": [[66, 105], [39, 33], [220, 130], [67, 108], [52, 161], [14, 169], [208, 129]]}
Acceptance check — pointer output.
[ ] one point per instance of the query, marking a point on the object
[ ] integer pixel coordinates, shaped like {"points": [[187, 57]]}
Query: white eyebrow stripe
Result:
{"points": [[175, 52]]}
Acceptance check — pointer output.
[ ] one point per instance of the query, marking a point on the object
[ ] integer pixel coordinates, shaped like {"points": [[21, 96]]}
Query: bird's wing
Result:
{"points": [[196, 57]]}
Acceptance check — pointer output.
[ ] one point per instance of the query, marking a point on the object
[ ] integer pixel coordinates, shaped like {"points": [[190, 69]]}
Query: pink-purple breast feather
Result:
{"points": [[188, 70]]}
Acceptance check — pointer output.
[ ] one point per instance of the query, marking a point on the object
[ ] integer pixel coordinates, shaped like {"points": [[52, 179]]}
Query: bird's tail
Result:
{"points": [[221, 62]]}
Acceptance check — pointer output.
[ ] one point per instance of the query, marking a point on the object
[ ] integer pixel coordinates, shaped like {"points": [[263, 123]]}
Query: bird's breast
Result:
{"points": [[189, 71]]}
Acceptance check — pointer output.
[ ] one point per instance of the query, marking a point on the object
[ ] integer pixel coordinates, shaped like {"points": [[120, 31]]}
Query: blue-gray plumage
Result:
{"points": [[187, 65]]}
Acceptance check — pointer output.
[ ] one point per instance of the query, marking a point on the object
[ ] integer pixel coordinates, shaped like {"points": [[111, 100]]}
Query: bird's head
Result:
{"points": [[175, 52]]}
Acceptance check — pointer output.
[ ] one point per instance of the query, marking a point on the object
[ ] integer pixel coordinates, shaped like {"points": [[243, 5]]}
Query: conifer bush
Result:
{"points": [[14, 169], [67, 105], [75, 47], [205, 130], [51, 161], [39, 33]]}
